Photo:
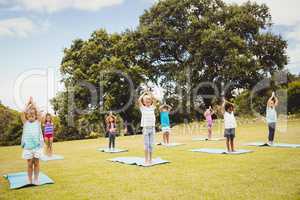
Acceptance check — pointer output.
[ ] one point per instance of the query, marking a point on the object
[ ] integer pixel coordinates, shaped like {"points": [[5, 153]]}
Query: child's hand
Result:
{"points": [[273, 94]]}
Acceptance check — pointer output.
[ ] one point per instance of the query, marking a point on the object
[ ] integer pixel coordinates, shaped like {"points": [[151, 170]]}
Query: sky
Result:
{"points": [[33, 34]]}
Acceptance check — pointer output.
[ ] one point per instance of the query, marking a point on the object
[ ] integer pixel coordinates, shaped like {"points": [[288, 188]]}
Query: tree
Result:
{"points": [[103, 62], [186, 42], [293, 97]]}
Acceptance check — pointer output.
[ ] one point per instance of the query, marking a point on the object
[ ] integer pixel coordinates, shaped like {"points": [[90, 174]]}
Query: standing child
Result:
{"points": [[147, 104], [165, 122], [48, 134], [229, 124], [32, 140], [271, 116], [111, 121], [208, 116]]}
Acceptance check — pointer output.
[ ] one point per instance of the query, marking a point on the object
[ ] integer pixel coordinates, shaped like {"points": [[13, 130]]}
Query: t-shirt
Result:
{"points": [[111, 127], [229, 120], [164, 119], [49, 129], [148, 116], [271, 115], [208, 117], [32, 135]]}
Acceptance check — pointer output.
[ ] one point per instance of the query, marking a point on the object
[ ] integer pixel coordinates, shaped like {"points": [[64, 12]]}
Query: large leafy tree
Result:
{"points": [[97, 62], [208, 39]]}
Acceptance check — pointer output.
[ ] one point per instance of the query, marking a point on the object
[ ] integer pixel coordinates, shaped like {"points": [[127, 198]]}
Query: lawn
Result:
{"points": [[267, 173]]}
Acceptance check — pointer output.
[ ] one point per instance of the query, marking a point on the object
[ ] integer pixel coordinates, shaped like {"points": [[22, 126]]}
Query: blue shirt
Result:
{"points": [[32, 135], [271, 115], [164, 119]]}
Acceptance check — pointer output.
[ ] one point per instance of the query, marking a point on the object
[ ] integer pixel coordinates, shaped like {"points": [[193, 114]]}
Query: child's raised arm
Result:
{"points": [[38, 112], [270, 99], [140, 100], [27, 107], [154, 100]]}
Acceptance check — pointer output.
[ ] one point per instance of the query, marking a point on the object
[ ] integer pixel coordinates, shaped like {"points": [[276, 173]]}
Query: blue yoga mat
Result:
{"points": [[263, 144], [53, 157], [139, 161], [170, 144], [20, 179], [206, 139], [220, 151], [107, 150]]}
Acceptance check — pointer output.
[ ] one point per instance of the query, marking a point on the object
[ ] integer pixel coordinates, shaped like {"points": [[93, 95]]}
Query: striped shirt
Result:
{"points": [[32, 135], [148, 116], [49, 129]]}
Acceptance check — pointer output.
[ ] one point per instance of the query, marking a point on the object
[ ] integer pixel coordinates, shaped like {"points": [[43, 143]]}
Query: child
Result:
{"points": [[229, 124], [165, 122], [111, 121], [208, 116], [32, 140], [271, 116], [147, 104], [48, 134]]}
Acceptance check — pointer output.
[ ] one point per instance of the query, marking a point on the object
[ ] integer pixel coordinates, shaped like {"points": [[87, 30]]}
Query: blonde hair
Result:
{"points": [[35, 112]]}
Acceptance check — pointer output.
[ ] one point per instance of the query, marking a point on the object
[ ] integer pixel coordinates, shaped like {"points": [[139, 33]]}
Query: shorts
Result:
{"points": [[48, 136], [31, 153], [148, 133], [166, 129], [229, 133], [209, 124]]}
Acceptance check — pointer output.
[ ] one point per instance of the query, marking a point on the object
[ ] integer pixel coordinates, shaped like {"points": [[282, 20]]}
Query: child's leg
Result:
{"points": [[168, 137], [227, 144], [36, 162], [164, 138], [151, 144], [271, 131], [146, 146], [209, 132], [110, 140], [232, 143], [30, 170], [113, 140], [47, 146], [50, 146]]}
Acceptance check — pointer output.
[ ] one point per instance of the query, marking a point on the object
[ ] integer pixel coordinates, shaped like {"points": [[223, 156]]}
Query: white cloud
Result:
{"points": [[16, 27], [51, 6], [283, 12]]}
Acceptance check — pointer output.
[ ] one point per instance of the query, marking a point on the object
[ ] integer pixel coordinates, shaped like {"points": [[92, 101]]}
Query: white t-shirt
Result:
{"points": [[229, 120], [148, 116]]}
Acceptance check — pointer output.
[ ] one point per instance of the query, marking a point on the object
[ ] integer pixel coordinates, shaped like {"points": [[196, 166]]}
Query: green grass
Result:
{"points": [[267, 173]]}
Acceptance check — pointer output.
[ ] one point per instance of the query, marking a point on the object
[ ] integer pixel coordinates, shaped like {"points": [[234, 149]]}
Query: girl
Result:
{"points": [[32, 140], [48, 134], [147, 104], [111, 121], [165, 122], [229, 124], [271, 116], [208, 116]]}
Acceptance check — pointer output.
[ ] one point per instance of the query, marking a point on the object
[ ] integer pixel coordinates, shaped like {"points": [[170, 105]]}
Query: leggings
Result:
{"points": [[148, 133], [272, 127], [112, 139]]}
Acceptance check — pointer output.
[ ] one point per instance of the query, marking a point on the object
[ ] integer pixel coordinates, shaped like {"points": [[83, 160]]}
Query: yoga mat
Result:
{"points": [[139, 161], [220, 151], [20, 179], [53, 157], [107, 150], [206, 139], [263, 144], [170, 144]]}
